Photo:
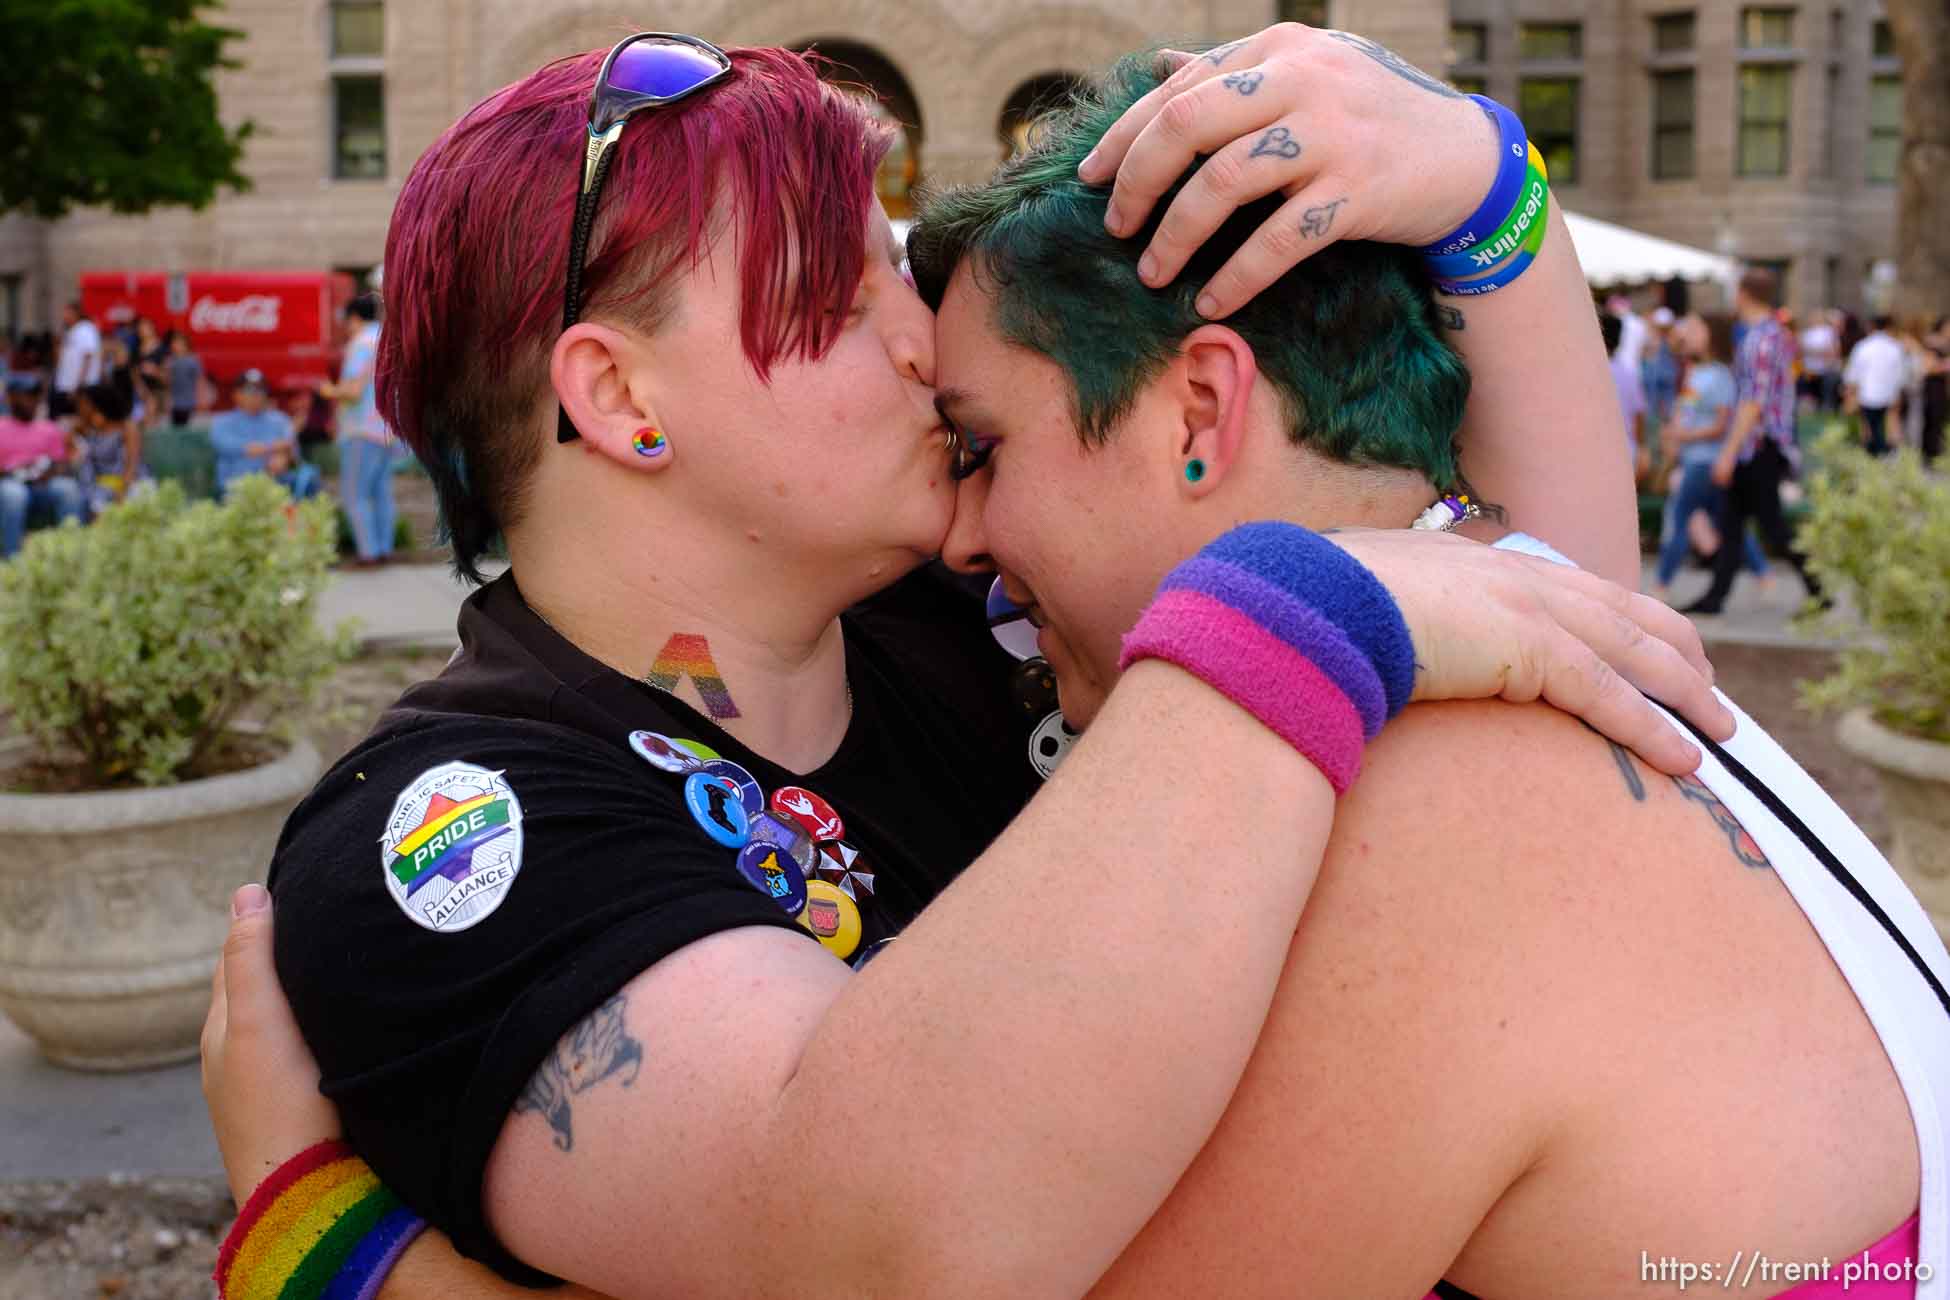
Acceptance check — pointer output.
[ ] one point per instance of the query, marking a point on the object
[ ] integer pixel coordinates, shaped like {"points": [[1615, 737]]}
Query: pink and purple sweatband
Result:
{"points": [[1294, 630]]}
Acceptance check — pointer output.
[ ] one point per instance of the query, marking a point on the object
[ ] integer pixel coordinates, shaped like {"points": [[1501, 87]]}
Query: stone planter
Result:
{"points": [[114, 904], [1916, 790]]}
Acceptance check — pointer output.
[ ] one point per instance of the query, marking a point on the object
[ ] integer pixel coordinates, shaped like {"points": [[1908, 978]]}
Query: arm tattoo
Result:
{"points": [[1243, 82], [1396, 64], [1451, 318], [1220, 53], [595, 1049], [1277, 142], [1738, 840], [1317, 221]]}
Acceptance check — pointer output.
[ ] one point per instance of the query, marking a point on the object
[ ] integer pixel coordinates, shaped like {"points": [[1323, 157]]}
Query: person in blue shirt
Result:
{"points": [[256, 438]]}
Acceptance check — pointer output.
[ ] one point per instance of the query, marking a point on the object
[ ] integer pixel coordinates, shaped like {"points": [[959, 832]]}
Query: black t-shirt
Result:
{"points": [[494, 860]]}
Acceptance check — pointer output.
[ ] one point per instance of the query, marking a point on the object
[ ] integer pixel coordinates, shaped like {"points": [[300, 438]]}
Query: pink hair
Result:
{"points": [[476, 258]]}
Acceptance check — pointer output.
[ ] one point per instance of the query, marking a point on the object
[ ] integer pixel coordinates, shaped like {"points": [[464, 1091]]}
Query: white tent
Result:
{"points": [[1617, 255]]}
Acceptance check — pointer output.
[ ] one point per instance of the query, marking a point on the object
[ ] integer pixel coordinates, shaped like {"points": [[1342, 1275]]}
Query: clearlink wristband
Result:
{"points": [[1509, 271], [1512, 149], [1509, 238]]}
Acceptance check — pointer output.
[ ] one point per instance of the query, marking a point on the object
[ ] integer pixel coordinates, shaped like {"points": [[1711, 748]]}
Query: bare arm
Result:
{"points": [[1542, 435], [988, 1157]]}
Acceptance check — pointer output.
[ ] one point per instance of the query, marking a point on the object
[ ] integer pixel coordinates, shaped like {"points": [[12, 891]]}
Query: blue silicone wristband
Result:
{"points": [[1502, 276], [1513, 148], [1474, 261]]}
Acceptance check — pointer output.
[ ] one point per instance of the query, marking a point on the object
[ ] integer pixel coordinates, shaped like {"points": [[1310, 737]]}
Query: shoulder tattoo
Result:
{"points": [[596, 1049]]}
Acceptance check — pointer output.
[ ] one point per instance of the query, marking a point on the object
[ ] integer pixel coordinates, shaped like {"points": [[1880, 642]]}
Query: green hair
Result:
{"points": [[1348, 338]]}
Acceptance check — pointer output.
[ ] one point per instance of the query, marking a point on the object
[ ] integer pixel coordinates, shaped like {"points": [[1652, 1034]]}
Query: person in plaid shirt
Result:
{"points": [[1759, 450]]}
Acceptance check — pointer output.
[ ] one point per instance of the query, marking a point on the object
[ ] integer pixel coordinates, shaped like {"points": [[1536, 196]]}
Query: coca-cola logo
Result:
{"points": [[256, 314]]}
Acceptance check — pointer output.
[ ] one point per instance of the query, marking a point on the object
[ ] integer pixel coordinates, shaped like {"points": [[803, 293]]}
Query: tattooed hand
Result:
{"points": [[1363, 144]]}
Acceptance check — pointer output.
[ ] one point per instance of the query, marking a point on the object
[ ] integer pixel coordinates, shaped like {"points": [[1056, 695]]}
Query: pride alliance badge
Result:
{"points": [[452, 846]]}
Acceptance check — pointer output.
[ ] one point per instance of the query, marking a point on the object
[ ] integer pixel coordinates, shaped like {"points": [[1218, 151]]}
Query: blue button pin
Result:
{"points": [[715, 803]]}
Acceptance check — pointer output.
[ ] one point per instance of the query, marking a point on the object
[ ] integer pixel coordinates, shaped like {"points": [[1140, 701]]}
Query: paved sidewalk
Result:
{"points": [[1754, 615], [398, 607]]}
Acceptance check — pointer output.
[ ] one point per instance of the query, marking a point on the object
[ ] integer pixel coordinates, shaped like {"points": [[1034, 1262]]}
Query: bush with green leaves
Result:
{"points": [[134, 643], [1878, 529]]}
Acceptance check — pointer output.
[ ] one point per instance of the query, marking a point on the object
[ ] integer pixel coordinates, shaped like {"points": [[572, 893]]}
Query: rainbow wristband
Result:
{"points": [[1294, 630], [321, 1227], [1513, 149], [1510, 237]]}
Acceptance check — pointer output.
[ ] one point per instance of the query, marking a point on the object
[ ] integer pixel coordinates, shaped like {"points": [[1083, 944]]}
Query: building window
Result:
{"points": [[358, 29], [1767, 29], [1885, 127], [10, 322], [1885, 40], [1672, 125], [358, 128], [1549, 108], [1550, 40], [1469, 42], [1766, 96], [1470, 85], [1311, 12], [1673, 33]]}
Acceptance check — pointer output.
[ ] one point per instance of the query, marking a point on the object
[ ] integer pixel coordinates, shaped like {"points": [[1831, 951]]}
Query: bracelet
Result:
{"points": [[1294, 630], [321, 1227], [1512, 147], [1508, 272], [1510, 236]]}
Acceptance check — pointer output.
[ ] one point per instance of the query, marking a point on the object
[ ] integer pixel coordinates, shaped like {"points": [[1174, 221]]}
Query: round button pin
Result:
{"points": [[748, 790], [704, 753], [1050, 743], [788, 834], [1010, 628], [810, 811], [840, 864], [832, 917], [774, 873], [1034, 686], [661, 751], [714, 802]]}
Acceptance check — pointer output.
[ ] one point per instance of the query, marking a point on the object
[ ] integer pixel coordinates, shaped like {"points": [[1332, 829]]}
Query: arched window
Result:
{"points": [[1029, 102], [865, 69]]}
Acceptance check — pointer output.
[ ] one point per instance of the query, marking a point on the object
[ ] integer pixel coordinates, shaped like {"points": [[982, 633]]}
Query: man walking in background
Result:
{"points": [[1759, 451], [1873, 383]]}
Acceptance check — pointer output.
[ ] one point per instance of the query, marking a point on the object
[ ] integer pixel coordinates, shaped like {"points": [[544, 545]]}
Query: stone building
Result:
{"points": [[1765, 130]]}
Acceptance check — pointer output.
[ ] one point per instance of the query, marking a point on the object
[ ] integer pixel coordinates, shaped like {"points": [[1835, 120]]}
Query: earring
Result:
{"points": [[1194, 470], [650, 442]]}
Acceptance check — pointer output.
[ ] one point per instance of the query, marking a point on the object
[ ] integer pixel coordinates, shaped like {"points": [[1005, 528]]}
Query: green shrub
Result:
{"points": [[136, 641], [1879, 530]]}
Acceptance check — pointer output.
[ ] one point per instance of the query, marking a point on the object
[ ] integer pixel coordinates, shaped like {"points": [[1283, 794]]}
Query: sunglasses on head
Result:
{"points": [[648, 70]]}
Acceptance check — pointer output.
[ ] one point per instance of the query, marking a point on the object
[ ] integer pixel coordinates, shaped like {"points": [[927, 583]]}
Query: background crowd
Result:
{"points": [[81, 407], [1683, 380]]}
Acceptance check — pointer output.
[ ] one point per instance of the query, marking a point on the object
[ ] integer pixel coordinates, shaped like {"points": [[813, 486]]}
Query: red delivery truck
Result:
{"points": [[284, 323]]}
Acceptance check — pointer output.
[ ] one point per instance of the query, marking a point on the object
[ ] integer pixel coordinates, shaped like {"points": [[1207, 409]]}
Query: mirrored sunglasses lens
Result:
{"points": [[662, 68]]}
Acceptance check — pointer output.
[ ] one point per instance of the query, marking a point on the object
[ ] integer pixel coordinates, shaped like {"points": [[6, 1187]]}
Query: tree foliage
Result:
{"points": [[112, 103]]}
